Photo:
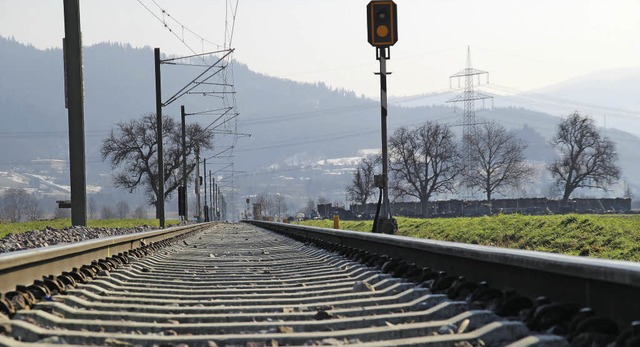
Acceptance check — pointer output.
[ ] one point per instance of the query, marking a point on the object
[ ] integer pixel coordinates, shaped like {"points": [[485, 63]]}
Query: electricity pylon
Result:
{"points": [[469, 97]]}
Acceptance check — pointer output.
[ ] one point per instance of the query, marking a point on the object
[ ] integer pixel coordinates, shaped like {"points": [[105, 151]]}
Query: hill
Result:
{"points": [[294, 126]]}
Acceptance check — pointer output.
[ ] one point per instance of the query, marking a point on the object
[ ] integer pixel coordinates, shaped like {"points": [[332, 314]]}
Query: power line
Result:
{"points": [[63, 135], [542, 98], [326, 139]]}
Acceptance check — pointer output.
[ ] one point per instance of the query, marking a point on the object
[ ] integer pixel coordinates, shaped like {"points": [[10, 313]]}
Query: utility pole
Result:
{"points": [[198, 210], [75, 93], [218, 203], [160, 175], [211, 192], [184, 161], [206, 208], [216, 195]]}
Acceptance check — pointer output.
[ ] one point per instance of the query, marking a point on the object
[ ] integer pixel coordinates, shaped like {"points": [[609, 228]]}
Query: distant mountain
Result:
{"points": [[295, 127], [609, 96], [613, 88]]}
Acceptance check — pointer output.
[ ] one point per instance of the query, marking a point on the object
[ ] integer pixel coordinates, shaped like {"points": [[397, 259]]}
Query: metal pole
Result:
{"points": [[75, 93], [184, 162], [383, 118], [160, 175], [218, 207], [198, 210], [211, 190], [206, 208], [216, 196]]}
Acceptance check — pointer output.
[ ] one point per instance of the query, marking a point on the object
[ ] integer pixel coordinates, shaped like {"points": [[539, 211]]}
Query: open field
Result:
{"points": [[600, 236], [21, 227]]}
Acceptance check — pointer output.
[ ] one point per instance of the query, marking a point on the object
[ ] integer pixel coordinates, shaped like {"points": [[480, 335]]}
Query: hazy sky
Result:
{"points": [[525, 44]]}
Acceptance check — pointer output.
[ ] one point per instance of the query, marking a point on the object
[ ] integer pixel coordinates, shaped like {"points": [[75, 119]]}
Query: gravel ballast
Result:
{"points": [[51, 236]]}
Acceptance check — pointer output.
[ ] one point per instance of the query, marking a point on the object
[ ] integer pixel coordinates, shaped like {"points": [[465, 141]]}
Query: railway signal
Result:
{"points": [[382, 32], [382, 23]]}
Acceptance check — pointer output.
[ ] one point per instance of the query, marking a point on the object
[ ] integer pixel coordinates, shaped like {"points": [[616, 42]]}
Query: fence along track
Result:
{"points": [[238, 285]]}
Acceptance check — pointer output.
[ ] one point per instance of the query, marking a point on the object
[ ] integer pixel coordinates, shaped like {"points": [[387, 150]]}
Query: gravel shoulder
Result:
{"points": [[52, 236]]}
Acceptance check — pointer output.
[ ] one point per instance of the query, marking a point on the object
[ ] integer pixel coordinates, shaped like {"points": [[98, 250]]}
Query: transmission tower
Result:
{"points": [[469, 96]]}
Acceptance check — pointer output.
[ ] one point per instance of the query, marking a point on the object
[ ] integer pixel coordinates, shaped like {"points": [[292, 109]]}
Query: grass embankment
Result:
{"points": [[16, 228], [600, 236]]}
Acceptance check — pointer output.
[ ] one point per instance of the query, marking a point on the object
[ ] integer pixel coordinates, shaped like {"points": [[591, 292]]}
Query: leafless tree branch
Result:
{"points": [[587, 159]]}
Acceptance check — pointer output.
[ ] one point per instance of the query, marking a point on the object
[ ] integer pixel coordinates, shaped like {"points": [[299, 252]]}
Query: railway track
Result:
{"points": [[242, 285]]}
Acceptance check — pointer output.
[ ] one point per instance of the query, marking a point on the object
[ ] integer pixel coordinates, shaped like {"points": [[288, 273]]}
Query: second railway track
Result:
{"points": [[240, 285]]}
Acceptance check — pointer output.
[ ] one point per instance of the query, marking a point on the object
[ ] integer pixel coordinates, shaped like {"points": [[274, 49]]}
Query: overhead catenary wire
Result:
{"points": [[221, 152], [212, 123], [233, 22], [195, 83], [168, 28], [208, 112], [228, 78], [227, 95], [164, 61], [184, 26]]}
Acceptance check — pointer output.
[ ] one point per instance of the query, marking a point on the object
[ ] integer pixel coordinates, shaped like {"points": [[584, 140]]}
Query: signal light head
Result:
{"points": [[382, 27]]}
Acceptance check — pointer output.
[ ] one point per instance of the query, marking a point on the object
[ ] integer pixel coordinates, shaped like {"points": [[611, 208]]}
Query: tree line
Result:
{"points": [[423, 161], [272, 205], [428, 160]]}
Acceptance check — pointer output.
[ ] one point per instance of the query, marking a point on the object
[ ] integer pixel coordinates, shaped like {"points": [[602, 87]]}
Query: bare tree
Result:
{"points": [[107, 213], [265, 202], [138, 213], [628, 192], [14, 204], [496, 160], [279, 205], [61, 213], [423, 161], [122, 209], [311, 206], [362, 186], [32, 208], [133, 147], [587, 159], [92, 208]]}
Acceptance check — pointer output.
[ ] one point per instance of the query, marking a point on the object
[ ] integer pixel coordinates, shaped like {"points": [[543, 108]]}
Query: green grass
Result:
{"points": [[16, 228], [600, 236]]}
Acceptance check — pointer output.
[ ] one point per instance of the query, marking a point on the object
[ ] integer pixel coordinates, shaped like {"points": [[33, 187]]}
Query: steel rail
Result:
{"points": [[610, 287], [23, 267]]}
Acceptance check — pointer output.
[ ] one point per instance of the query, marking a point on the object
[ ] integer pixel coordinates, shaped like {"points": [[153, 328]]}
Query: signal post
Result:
{"points": [[382, 33]]}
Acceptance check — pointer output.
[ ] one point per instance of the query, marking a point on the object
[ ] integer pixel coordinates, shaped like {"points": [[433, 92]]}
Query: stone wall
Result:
{"points": [[530, 206]]}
